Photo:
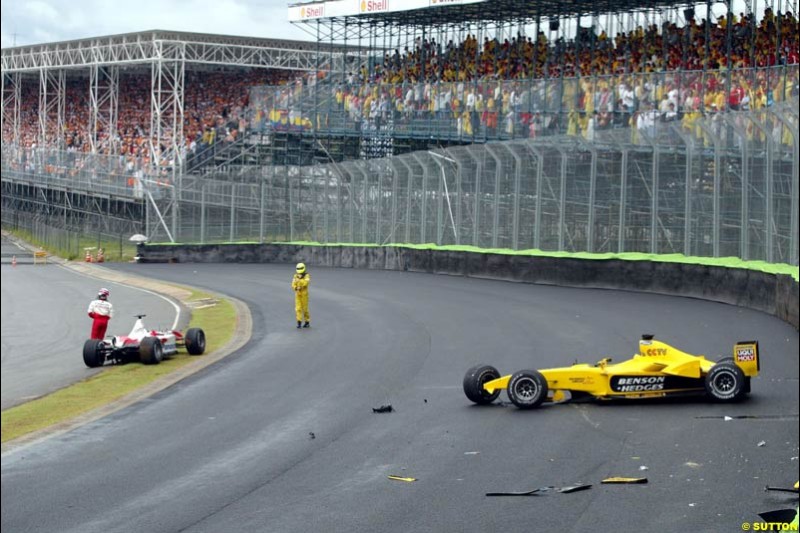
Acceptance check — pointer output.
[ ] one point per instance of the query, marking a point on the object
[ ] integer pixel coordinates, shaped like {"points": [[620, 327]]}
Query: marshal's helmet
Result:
{"points": [[103, 293], [300, 268]]}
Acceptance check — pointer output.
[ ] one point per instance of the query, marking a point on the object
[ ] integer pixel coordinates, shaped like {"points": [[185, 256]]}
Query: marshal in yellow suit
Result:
{"points": [[300, 282]]}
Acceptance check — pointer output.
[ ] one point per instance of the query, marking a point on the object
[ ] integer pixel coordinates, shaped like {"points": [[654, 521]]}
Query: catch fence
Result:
{"points": [[723, 184], [714, 184]]}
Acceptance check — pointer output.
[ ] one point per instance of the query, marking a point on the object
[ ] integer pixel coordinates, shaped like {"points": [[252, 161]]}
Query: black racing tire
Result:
{"points": [[474, 380], [729, 359], [93, 355], [150, 351], [527, 389], [726, 382], [195, 341]]}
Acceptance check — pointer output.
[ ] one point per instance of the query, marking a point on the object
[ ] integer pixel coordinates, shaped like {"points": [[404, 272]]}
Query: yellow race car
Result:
{"points": [[658, 370]]}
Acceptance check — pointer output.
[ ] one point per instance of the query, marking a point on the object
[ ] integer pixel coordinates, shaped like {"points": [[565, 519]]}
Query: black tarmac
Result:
{"points": [[281, 436]]}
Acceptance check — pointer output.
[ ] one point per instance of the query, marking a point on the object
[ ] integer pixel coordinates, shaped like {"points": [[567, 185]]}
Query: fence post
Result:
{"points": [[496, 209], [261, 211], [562, 201], [231, 234], [203, 213], [623, 200], [716, 222], [790, 110], [744, 209]]}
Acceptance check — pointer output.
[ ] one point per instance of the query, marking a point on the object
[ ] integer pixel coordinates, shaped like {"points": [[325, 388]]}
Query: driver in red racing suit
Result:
{"points": [[100, 311]]}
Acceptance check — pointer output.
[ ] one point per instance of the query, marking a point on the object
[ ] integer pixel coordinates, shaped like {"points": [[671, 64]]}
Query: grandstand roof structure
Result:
{"points": [[443, 12], [164, 55], [148, 46]]}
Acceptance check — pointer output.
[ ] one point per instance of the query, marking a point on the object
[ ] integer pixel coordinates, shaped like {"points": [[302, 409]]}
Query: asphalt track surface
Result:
{"points": [[231, 448], [44, 325]]}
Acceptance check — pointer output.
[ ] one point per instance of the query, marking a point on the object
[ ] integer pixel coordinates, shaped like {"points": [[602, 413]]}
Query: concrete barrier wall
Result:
{"points": [[770, 293]]}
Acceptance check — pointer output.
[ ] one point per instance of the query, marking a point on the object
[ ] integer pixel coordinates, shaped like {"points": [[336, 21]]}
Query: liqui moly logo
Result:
{"points": [[373, 6], [745, 353], [312, 11]]}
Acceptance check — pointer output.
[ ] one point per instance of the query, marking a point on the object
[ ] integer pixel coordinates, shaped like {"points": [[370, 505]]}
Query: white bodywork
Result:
{"points": [[139, 332]]}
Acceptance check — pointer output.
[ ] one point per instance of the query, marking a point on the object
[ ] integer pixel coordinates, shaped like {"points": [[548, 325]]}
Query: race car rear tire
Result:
{"points": [[93, 353], [150, 351], [474, 380], [726, 382], [195, 341], [527, 389], [729, 359]]}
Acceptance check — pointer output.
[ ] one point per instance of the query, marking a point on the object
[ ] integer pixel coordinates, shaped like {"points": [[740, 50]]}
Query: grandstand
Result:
{"points": [[142, 94], [148, 105], [620, 126], [534, 68]]}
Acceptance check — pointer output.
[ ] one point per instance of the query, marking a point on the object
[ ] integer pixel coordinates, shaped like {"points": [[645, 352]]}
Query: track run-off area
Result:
{"points": [[281, 435]]}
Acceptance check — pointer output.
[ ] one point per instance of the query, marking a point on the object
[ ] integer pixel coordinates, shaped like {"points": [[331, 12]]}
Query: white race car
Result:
{"points": [[147, 346]]}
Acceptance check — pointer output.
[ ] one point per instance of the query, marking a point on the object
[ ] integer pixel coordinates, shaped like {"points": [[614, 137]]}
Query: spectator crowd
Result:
{"points": [[523, 86], [215, 105]]}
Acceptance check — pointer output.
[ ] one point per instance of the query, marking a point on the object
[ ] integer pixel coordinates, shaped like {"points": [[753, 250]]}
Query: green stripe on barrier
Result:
{"points": [[727, 262]]}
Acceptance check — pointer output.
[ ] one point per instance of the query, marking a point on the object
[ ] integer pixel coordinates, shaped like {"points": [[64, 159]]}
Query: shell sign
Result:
{"points": [[312, 11], [374, 6]]}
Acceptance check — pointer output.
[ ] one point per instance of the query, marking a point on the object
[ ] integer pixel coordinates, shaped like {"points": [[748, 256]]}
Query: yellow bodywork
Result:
{"points": [[655, 371]]}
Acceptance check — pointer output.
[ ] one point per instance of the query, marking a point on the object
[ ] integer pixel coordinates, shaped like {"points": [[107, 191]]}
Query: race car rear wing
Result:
{"points": [[745, 355]]}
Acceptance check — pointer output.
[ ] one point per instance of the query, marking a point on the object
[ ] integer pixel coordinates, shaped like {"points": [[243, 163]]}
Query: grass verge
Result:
{"points": [[114, 382]]}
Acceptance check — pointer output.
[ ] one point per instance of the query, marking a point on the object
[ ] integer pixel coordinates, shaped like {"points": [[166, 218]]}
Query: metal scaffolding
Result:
{"points": [[166, 105], [103, 99], [166, 54], [12, 99], [52, 105], [145, 48]]}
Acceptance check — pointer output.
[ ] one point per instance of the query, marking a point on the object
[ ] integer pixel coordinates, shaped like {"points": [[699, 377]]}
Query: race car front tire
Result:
{"points": [[527, 389], [726, 382], [195, 341], [150, 351], [93, 353], [474, 380]]}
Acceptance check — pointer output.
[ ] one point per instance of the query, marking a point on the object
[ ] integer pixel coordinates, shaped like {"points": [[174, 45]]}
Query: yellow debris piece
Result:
{"points": [[401, 478], [625, 480]]}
